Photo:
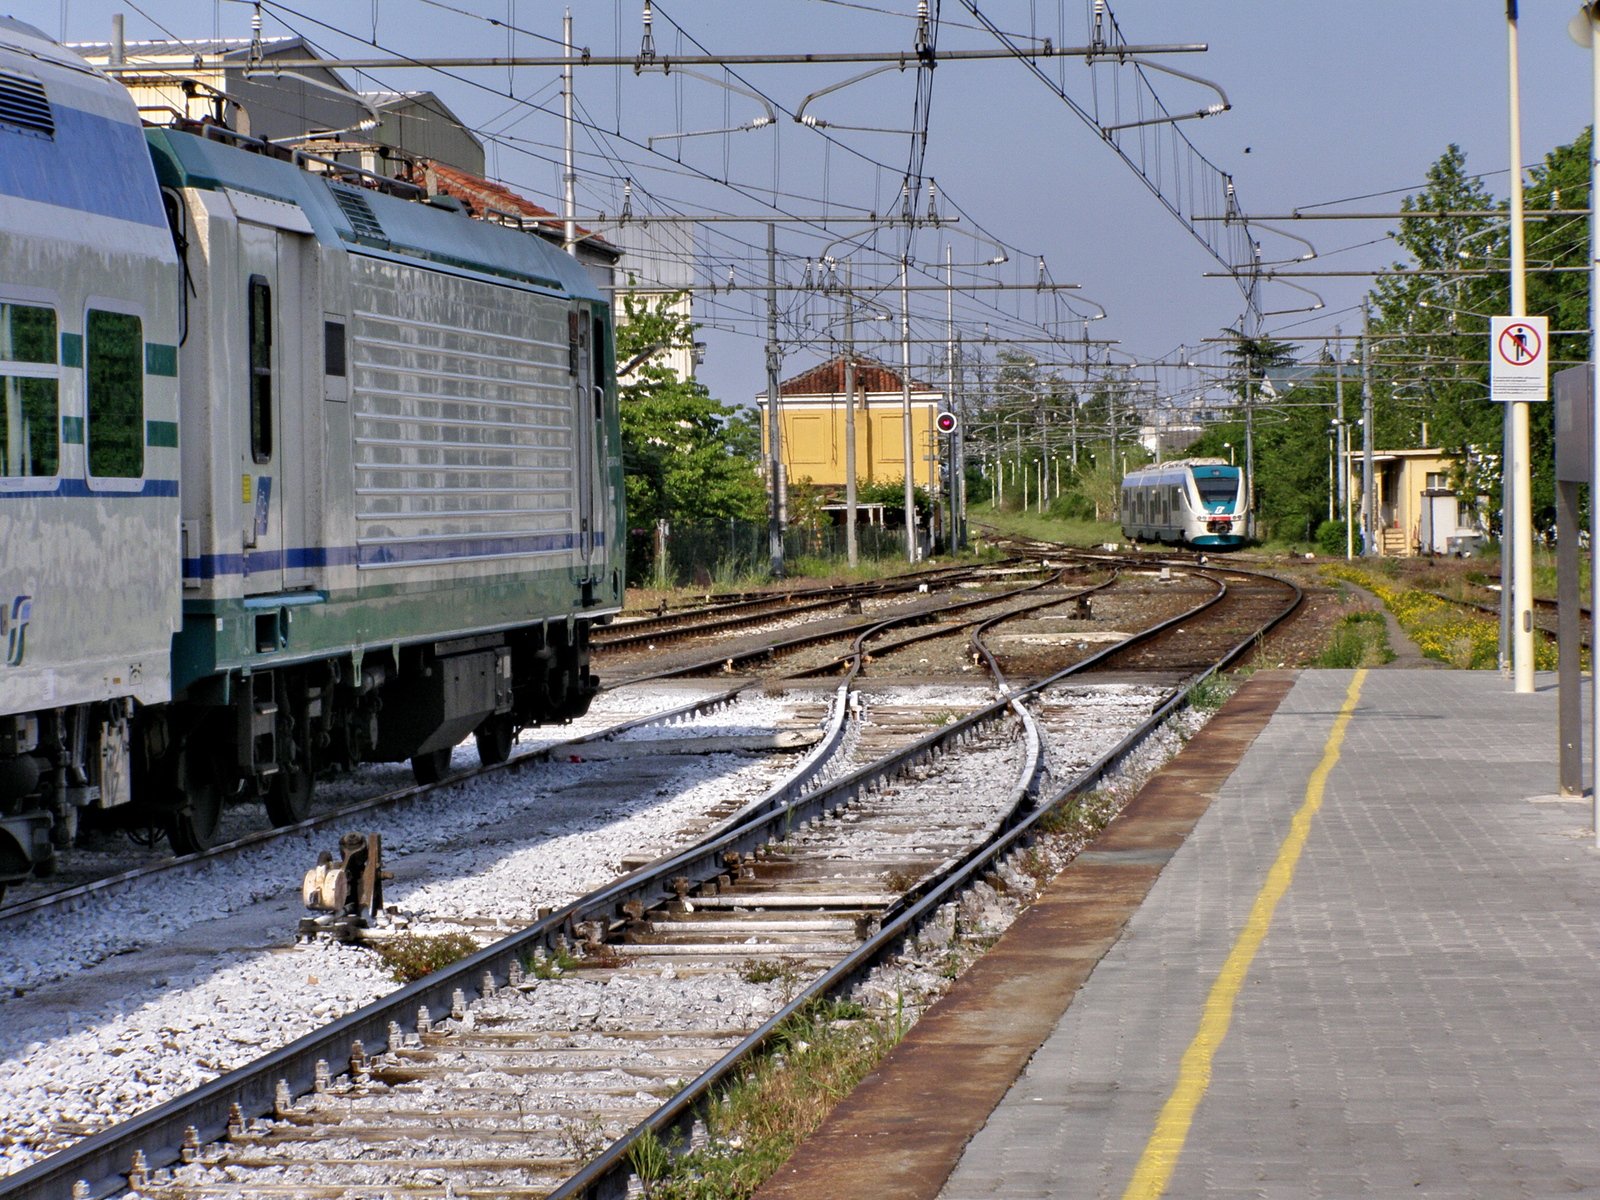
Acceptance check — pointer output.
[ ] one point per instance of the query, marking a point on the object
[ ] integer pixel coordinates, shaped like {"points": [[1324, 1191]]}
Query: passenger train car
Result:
{"points": [[294, 472], [1196, 501]]}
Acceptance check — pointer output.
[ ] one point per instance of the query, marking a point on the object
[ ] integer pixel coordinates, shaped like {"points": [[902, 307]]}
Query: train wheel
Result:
{"points": [[495, 737], [191, 827], [431, 767], [288, 797]]}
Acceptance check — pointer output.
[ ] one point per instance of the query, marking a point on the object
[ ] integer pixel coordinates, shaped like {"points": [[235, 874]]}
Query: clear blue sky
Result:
{"points": [[1328, 101]]}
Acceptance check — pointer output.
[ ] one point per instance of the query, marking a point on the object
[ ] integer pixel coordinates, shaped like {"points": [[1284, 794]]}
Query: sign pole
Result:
{"points": [[1519, 513]]}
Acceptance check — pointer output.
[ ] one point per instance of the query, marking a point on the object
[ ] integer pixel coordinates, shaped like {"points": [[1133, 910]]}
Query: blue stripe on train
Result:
{"points": [[79, 489], [213, 566]]}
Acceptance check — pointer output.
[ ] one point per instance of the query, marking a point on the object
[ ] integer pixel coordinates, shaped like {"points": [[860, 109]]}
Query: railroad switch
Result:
{"points": [[348, 893]]}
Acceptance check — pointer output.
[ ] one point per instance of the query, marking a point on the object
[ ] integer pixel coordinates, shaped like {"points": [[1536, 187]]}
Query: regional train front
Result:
{"points": [[1221, 519], [1194, 502]]}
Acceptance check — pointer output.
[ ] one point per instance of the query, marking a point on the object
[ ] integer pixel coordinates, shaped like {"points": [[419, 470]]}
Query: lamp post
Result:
{"points": [[1228, 446], [907, 448]]}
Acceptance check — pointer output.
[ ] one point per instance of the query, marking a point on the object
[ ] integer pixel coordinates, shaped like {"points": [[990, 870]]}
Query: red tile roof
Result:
{"points": [[482, 195], [827, 379]]}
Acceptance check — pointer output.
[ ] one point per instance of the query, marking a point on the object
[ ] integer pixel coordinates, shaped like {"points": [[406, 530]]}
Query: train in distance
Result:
{"points": [[298, 469], [1197, 502]]}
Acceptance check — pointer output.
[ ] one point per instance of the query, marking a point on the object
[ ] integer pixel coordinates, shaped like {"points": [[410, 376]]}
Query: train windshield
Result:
{"points": [[1218, 489]]}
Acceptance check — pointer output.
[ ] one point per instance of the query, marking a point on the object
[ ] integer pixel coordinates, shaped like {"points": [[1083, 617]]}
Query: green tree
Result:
{"points": [[687, 458], [1430, 345]]}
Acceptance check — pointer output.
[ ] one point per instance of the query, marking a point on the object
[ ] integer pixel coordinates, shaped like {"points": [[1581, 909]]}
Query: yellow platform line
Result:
{"points": [[1160, 1157]]}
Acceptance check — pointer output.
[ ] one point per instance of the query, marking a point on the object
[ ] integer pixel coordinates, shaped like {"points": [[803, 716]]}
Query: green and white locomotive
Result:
{"points": [[298, 472]]}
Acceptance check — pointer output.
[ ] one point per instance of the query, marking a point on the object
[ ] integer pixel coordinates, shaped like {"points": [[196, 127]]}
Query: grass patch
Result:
{"points": [[1210, 694], [1458, 637], [1050, 529], [815, 1058], [410, 956], [1359, 640]]}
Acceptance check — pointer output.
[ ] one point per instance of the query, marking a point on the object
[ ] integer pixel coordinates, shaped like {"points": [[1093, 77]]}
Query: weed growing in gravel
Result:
{"points": [[1359, 640], [549, 966], [814, 1059], [770, 970], [899, 879], [410, 956], [650, 1159], [1209, 694], [1036, 865]]}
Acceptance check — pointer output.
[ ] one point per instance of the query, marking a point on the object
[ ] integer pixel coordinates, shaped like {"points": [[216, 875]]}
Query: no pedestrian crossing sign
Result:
{"points": [[1519, 358]]}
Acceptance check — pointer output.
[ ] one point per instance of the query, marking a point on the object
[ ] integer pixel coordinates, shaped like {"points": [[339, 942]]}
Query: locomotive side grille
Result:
{"points": [[23, 105], [355, 207]]}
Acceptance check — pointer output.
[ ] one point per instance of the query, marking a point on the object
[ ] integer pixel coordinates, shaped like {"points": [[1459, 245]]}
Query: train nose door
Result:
{"points": [[271, 485]]}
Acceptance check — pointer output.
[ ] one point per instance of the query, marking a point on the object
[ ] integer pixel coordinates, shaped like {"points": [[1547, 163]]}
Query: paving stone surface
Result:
{"points": [[1423, 1017]]}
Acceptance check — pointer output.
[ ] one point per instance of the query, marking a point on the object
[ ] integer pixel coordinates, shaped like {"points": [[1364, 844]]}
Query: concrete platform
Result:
{"points": [[1371, 968]]}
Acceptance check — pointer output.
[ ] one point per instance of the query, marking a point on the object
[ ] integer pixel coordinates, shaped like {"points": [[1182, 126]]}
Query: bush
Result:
{"points": [[1331, 538], [412, 955], [1074, 506]]}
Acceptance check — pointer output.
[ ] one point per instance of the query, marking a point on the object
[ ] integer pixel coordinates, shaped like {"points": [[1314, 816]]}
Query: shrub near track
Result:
{"points": [[1441, 631]]}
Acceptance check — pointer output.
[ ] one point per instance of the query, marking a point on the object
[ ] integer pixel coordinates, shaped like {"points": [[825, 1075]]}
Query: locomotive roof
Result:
{"points": [[1182, 464], [342, 214]]}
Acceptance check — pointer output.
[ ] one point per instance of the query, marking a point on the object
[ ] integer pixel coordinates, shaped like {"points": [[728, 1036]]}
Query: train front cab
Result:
{"points": [[1219, 520]]}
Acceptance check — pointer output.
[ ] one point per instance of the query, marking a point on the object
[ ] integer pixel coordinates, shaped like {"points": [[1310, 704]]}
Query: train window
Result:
{"points": [[333, 352], [602, 368], [260, 369], [114, 366], [30, 424], [1218, 489]]}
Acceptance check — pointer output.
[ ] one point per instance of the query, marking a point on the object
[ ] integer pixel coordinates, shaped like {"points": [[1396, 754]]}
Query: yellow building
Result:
{"points": [[1418, 512], [812, 415]]}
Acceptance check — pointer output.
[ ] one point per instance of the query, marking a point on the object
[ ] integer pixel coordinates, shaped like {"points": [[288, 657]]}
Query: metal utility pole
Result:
{"points": [[1369, 505], [953, 537], [852, 552], [908, 446], [1344, 442], [1520, 512], [774, 425], [958, 457], [569, 176], [1585, 30], [1044, 440], [1249, 444]]}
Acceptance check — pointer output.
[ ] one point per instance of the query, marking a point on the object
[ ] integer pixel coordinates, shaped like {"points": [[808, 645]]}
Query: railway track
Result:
{"points": [[107, 884], [678, 920], [746, 611]]}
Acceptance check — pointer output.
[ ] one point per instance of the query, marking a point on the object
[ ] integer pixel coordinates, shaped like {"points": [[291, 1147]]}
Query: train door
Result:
{"points": [[587, 438], [271, 470]]}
